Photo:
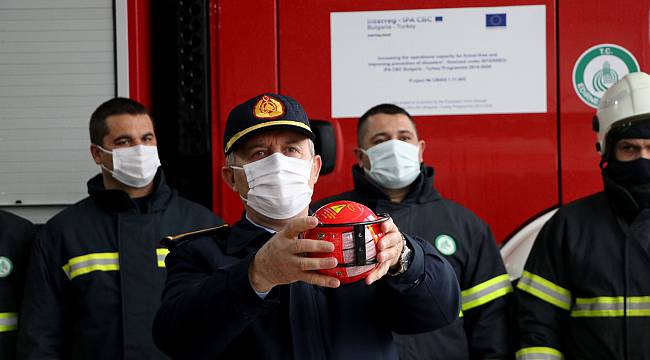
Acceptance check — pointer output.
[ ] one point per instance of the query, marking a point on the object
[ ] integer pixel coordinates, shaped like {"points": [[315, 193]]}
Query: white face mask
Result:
{"points": [[278, 186], [394, 164], [134, 166]]}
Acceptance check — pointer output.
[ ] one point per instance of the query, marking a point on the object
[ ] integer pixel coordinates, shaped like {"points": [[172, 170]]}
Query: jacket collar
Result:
{"points": [[421, 190], [118, 201], [245, 233]]}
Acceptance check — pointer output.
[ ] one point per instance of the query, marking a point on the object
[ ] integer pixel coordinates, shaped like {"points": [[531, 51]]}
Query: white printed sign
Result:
{"points": [[440, 61]]}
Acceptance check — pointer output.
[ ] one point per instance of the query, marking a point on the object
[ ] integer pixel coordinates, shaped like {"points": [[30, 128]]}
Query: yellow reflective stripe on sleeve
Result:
{"points": [[161, 254], [8, 321], [84, 264], [545, 290], [486, 292], [611, 306], [539, 353]]}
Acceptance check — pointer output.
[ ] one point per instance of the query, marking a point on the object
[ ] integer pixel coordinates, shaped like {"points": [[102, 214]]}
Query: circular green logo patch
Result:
{"points": [[445, 244], [5, 266], [598, 68]]}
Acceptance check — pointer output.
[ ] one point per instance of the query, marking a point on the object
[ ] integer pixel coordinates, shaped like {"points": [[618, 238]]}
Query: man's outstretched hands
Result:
{"points": [[281, 259]]}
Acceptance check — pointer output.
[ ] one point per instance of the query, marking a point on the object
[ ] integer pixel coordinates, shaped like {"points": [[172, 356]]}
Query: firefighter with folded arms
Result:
{"points": [[250, 292], [390, 177], [585, 290]]}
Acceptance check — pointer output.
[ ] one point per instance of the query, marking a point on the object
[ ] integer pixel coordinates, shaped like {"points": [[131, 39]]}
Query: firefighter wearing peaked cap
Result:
{"points": [[584, 292], [250, 291]]}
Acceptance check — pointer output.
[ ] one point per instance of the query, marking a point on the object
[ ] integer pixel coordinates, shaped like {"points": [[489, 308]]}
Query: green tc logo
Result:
{"points": [[598, 68], [445, 244], [5, 266]]}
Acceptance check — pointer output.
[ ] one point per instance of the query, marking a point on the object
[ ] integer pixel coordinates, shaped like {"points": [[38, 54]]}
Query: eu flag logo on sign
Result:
{"points": [[438, 18], [494, 20]]}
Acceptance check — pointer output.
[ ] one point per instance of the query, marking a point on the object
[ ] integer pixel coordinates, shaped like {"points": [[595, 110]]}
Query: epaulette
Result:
{"points": [[173, 241]]}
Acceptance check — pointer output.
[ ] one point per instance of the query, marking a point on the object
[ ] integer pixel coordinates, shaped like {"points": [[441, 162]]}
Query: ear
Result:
{"points": [[228, 176], [359, 156], [316, 165], [423, 145], [96, 154]]}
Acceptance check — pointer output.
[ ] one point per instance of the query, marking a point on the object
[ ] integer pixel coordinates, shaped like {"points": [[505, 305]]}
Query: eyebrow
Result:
{"points": [[294, 142], [122, 137], [250, 146], [129, 137], [399, 132]]}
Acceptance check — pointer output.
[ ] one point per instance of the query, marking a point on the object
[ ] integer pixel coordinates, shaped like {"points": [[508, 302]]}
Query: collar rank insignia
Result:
{"points": [[173, 241]]}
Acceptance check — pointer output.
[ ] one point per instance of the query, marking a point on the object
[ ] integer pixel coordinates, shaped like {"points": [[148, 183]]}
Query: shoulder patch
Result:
{"points": [[445, 244], [6, 266], [173, 241]]}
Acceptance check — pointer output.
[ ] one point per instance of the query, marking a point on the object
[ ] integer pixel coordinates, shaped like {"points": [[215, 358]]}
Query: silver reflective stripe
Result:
{"points": [[8, 321], [91, 262], [486, 292], [545, 290], [539, 353], [611, 306]]}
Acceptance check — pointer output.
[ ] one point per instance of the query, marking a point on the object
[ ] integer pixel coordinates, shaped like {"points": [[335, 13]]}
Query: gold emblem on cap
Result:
{"points": [[268, 108]]}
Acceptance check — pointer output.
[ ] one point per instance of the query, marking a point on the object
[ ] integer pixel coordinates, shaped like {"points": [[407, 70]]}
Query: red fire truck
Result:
{"points": [[191, 61]]}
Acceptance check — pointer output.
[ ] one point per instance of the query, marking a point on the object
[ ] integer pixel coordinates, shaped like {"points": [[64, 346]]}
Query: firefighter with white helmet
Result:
{"points": [[624, 104], [584, 292]]}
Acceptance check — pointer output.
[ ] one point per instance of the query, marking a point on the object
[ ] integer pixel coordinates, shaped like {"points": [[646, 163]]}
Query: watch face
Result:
{"points": [[404, 259], [406, 255]]}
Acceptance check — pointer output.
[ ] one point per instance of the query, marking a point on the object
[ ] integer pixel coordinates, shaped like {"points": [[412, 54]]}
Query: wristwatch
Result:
{"points": [[404, 259]]}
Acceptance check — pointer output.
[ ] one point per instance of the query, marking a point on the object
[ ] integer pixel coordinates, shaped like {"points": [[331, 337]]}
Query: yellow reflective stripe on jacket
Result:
{"points": [[161, 254], [8, 321], [84, 264], [611, 306], [545, 290], [539, 353], [486, 292]]}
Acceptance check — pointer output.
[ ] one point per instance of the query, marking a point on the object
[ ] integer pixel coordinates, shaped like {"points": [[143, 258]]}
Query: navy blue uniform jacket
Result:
{"points": [[482, 331], [585, 291], [16, 235], [210, 310], [96, 274]]}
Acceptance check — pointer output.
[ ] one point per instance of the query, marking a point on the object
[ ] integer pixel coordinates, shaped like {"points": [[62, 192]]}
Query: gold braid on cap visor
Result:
{"points": [[238, 135]]}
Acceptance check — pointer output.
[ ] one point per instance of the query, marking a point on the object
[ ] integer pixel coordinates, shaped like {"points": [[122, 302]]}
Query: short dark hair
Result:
{"points": [[115, 106], [389, 109]]}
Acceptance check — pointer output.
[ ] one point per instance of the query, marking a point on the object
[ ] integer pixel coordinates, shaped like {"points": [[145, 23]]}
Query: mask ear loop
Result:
{"points": [[106, 152], [359, 238]]}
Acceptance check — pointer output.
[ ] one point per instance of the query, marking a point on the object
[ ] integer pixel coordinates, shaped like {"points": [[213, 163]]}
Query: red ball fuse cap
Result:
{"points": [[354, 230]]}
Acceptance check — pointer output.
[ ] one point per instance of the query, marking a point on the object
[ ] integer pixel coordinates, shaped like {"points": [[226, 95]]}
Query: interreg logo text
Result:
{"points": [[598, 68]]}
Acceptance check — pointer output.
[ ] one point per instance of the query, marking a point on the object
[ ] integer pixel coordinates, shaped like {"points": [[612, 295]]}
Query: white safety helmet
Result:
{"points": [[623, 104]]}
